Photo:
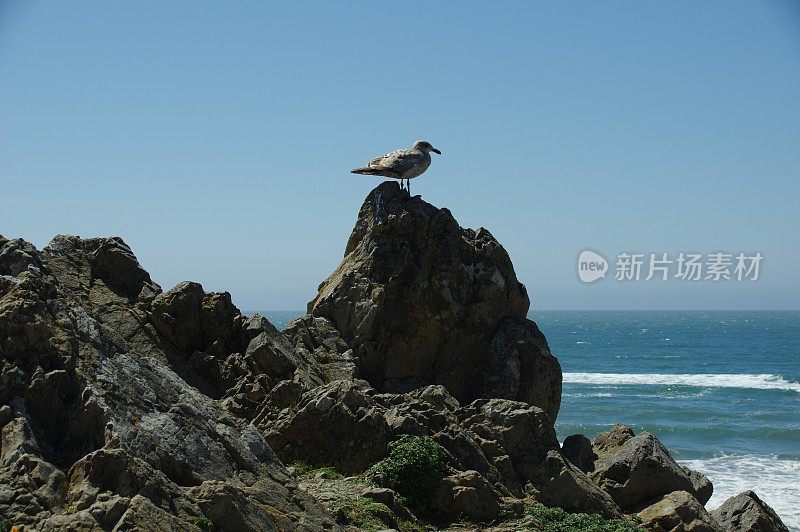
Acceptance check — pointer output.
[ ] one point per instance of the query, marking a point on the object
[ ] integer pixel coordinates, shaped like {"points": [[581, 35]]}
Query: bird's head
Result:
{"points": [[424, 145]]}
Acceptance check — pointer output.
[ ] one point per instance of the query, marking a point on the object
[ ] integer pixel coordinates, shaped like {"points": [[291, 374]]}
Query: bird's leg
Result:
{"points": [[408, 184]]}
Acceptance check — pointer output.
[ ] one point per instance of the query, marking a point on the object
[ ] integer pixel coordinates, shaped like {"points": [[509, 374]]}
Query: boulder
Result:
{"points": [[746, 512], [338, 424], [559, 483], [703, 488], [421, 301], [578, 450], [466, 494], [678, 511], [611, 440], [635, 470]]}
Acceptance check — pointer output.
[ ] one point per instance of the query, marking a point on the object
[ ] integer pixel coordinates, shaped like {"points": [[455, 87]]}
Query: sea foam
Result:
{"points": [[703, 380], [773, 480]]}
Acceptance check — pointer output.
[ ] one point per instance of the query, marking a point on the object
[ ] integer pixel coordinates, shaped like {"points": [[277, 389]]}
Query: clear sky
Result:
{"points": [[216, 137]]}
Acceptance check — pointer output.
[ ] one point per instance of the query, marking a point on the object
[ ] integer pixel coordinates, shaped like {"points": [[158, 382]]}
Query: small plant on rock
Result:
{"points": [[557, 520], [413, 468], [301, 467], [204, 523]]}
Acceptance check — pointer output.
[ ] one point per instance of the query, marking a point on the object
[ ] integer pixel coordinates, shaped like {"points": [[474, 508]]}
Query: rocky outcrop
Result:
{"points": [[123, 407], [106, 423], [339, 424], [421, 301], [746, 512], [510, 445], [637, 469], [678, 510]]}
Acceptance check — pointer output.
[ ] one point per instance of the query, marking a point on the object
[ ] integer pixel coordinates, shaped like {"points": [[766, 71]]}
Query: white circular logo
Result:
{"points": [[591, 266]]}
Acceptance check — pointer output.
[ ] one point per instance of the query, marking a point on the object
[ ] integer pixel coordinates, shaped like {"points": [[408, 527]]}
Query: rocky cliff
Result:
{"points": [[422, 300], [123, 407]]}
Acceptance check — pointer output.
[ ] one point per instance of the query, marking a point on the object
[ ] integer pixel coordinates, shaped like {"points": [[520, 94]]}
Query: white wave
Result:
{"points": [[702, 380], [602, 394], [773, 480]]}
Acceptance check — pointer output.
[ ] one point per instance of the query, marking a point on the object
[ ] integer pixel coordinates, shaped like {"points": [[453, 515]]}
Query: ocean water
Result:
{"points": [[720, 389]]}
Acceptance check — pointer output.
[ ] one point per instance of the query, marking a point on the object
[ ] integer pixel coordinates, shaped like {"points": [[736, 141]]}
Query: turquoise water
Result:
{"points": [[720, 389]]}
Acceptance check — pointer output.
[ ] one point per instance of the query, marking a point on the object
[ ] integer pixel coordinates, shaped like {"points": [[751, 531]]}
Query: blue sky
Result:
{"points": [[216, 137]]}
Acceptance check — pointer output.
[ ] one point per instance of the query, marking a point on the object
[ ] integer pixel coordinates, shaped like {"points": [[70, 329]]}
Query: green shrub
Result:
{"points": [[557, 520], [413, 468], [301, 467], [328, 473], [204, 523], [5, 525]]}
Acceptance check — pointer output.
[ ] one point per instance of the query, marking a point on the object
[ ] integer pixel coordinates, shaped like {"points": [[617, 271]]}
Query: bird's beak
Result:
{"points": [[434, 150]]}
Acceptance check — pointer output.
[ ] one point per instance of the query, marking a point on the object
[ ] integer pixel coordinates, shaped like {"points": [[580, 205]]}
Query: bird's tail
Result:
{"points": [[366, 171], [385, 172]]}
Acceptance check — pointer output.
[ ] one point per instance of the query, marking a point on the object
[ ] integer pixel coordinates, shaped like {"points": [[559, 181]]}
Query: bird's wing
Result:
{"points": [[398, 161]]}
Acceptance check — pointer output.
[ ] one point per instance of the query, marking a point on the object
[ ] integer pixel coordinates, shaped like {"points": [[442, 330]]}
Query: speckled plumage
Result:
{"points": [[402, 164]]}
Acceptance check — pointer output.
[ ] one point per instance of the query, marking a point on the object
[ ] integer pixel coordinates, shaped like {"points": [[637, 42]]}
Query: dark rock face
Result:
{"points": [[101, 427], [678, 510], [746, 512], [578, 450], [423, 301]]}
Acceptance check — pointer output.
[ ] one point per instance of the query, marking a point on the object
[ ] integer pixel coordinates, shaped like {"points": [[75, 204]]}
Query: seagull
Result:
{"points": [[401, 164]]}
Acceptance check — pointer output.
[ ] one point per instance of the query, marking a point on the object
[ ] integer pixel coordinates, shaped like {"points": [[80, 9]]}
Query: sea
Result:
{"points": [[721, 390]]}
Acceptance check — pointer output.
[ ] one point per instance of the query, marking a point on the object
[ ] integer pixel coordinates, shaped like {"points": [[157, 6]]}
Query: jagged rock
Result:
{"points": [[17, 256], [746, 512], [676, 511], [17, 439], [432, 411], [317, 339], [578, 450], [521, 443], [466, 494], [192, 320], [30, 487], [636, 469], [703, 488], [611, 440], [559, 483], [92, 387], [339, 424], [422, 301], [6, 415], [103, 269], [511, 431]]}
